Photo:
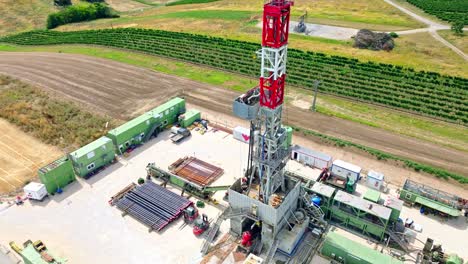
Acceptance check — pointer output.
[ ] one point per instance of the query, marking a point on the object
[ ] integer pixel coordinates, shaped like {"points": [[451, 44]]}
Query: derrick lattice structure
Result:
{"points": [[270, 151]]}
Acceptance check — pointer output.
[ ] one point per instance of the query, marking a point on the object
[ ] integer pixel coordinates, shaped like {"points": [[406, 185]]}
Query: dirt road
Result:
{"points": [[123, 90]]}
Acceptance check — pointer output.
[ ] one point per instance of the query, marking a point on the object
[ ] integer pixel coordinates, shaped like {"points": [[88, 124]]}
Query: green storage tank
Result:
{"points": [[57, 174], [344, 250], [189, 117], [93, 156]]}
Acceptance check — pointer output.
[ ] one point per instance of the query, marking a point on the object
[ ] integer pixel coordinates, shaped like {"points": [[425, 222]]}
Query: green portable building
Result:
{"points": [[189, 117], [356, 213], [169, 111], [372, 195], [134, 132], [140, 129], [31, 255], [57, 174], [344, 250], [93, 156]]}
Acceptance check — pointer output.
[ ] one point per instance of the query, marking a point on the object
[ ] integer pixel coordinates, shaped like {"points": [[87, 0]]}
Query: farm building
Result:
{"points": [[311, 157], [93, 156], [140, 129], [57, 174]]}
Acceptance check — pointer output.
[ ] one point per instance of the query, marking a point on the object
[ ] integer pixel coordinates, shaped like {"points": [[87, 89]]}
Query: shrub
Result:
{"points": [[393, 35], [80, 13], [457, 27], [141, 181], [62, 2]]}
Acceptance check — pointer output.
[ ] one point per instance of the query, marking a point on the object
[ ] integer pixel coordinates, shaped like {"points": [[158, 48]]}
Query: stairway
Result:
{"points": [[148, 136], [214, 230], [272, 251], [312, 210]]}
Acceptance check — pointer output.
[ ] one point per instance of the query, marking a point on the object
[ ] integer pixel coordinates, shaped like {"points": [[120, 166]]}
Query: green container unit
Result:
{"points": [[454, 259], [372, 195], [93, 156], [31, 256], [353, 212], [189, 117], [344, 250], [395, 205], [169, 111], [57, 174], [417, 193], [326, 194], [133, 132]]}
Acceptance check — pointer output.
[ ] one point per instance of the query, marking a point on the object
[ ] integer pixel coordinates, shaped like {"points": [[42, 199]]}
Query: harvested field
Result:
{"points": [[123, 91], [20, 157], [195, 170]]}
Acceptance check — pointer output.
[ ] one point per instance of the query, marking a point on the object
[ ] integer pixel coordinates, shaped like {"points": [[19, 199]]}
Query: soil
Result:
{"points": [[21, 156], [123, 91], [126, 5]]}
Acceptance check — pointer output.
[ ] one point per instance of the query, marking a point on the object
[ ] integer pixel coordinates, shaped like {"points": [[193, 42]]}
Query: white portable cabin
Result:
{"points": [[375, 180], [344, 169], [241, 134], [35, 191], [311, 157]]}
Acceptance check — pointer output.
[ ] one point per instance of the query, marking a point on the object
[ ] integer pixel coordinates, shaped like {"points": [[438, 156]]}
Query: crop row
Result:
{"points": [[427, 93], [449, 10]]}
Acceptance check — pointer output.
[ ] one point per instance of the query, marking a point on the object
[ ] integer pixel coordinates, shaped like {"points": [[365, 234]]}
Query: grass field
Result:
{"points": [[23, 15], [20, 157], [429, 130], [53, 121], [458, 41]]}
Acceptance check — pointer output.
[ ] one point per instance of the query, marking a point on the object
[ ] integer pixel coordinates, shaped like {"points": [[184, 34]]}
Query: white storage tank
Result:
{"points": [[311, 157], [241, 134], [375, 180], [344, 169], [35, 191]]}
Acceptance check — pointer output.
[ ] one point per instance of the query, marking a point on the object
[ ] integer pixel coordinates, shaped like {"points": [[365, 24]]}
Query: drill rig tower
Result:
{"points": [[266, 195], [270, 153], [263, 105]]}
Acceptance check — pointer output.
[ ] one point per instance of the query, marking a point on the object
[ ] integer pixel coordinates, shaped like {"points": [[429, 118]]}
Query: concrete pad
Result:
{"points": [[80, 226]]}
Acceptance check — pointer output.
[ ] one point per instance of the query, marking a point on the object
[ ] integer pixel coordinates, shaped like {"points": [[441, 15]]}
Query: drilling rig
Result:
{"points": [[265, 196], [263, 105]]}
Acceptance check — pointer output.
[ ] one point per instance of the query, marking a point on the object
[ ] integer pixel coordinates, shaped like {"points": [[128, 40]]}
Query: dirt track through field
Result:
{"points": [[123, 90]]}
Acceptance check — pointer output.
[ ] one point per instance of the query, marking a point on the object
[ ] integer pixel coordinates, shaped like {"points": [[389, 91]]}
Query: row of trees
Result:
{"points": [[78, 13]]}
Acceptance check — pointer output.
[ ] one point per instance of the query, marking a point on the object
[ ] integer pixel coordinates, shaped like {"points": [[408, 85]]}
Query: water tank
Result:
{"points": [[316, 200]]}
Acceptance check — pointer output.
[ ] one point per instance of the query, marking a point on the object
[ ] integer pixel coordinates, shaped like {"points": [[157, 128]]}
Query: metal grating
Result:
{"points": [[195, 170], [153, 205]]}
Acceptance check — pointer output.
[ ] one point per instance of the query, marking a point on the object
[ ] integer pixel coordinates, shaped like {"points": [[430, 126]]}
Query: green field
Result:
{"points": [[427, 93], [441, 133], [448, 10]]}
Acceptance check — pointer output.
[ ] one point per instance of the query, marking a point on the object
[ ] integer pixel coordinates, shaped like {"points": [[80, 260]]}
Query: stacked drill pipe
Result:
{"points": [[153, 205], [195, 170]]}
